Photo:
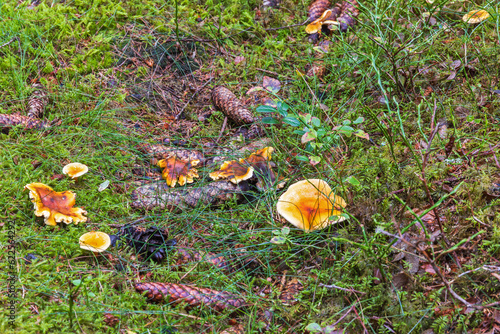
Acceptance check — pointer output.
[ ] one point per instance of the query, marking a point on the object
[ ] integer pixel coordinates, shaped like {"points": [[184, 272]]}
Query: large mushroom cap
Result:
{"points": [[309, 204], [75, 170], [475, 16], [95, 241], [55, 206]]}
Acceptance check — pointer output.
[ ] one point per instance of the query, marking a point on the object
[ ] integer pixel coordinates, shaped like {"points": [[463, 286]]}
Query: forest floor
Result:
{"points": [[401, 119]]}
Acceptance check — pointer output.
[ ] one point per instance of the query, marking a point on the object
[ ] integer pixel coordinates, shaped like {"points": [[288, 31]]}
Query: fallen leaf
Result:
{"points": [[239, 59], [272, 85]]}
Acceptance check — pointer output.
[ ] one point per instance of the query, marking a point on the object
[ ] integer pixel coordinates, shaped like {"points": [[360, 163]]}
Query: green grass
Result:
{"points": [[93, 58]]}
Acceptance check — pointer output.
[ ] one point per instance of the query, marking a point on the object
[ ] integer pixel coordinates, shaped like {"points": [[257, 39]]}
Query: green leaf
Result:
{"points": [[314, 328], [346, 122], [76, 282], [269, 120], [291, 121], [301, 158], [282, 107], [278, 240], [265, 109], [359, 120], [276, 232], [352, 180], [91, 294], [362, 134], [316, 122], [285, 230]]}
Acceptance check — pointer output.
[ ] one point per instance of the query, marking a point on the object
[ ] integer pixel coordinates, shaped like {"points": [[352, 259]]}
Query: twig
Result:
{"points": [[273, 73], [342, 317], [222, 129], [495, 157], [332, 286], [9, 42], [192, 97], [286, 27]]}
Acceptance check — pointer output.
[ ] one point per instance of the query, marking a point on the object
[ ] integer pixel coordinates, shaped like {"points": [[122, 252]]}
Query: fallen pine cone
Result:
{"points": [[10, 120], [194, 296], [348, 12], [37, 101], [160, 195], [317, 8], [225, 101]]}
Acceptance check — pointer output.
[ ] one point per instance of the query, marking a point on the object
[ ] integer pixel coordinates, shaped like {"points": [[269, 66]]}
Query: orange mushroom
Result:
{"points": [[95, 241], [178, 169], [75, 170], [476, 16], [55, 206], [235, 171], [315, 26], [309, 205]]}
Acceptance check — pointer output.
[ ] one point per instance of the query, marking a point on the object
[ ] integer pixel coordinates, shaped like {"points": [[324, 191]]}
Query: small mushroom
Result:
{"points": [[476, 16], [235, 171], [94, 241], [75, 170], [243, 169], [315, 26], [178, 169], [309, 204], [55, 206]]}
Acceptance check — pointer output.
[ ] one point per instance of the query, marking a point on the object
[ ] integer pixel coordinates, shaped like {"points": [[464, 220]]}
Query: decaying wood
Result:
{"points": [[194, 296], [160, 195], [37, 101], [10, 120], [225, 101]]}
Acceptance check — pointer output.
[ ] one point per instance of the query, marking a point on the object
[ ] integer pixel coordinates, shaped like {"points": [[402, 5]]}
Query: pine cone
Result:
{"points": [[225, 101], [317, 8], [194, 296], [348, 11], [10, 120], [159, 151], [37, 101]]}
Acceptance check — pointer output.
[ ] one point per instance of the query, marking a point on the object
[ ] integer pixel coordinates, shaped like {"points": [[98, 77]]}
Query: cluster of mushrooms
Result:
{"points": [[57, 207], [307, 204]]}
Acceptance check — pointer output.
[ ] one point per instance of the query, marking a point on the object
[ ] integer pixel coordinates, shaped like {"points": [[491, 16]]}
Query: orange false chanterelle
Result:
{"points": [[310, 204], [315, 26], [75, 170], [55, 206], [476, 16], [243, 169], [178, 169], [95, 241]]}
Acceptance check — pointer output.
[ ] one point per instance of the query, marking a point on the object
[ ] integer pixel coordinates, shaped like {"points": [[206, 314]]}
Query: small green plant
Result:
{"points": [[317, 135], [281, 236]]}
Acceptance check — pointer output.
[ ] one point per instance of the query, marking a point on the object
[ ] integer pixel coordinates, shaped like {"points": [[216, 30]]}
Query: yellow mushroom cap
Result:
{"points": [[178, 169], [75, 170], [476, 16], [55, 206], [95, 241], [315, 26], [235, 171], [308, 204]]}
